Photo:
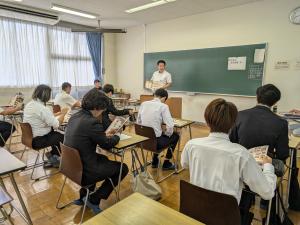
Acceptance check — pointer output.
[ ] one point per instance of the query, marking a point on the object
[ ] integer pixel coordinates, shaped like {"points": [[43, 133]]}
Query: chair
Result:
{"points": [[71, 167], [26, 140], [151, 145], [5, 198], [207, 206], [56, 108]]}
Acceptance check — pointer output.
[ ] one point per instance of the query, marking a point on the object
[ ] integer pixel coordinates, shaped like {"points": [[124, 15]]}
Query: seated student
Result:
{"points": [[153, 114], [108, 89], [97, 85], [260, 126], [84, 133], [219, 165], [43, 122], [5, 127], [64, 99]]}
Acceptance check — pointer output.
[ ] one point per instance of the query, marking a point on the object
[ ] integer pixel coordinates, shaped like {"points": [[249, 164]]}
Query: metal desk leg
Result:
{"points": [[13, 181], [177, 170], [13, 123], [289, 178], [144, 158], [190, 130], [269, 212], [120, 175]]}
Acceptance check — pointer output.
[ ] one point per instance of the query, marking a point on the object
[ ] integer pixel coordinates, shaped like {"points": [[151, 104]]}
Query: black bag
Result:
{"points": [[279, 167]]}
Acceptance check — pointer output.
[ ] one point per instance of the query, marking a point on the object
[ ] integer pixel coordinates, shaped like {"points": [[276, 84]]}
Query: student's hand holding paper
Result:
{"points": [[110, 132], [266, 159]]}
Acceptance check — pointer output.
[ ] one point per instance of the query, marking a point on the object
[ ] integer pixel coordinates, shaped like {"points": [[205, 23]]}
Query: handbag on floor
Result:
{"points": [[142, 181]]}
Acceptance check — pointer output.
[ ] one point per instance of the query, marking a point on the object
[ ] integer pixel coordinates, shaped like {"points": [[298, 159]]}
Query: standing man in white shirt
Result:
{"points": [[153, 114], [43, 122], [161, 75], [64, 99], [219, 165]]}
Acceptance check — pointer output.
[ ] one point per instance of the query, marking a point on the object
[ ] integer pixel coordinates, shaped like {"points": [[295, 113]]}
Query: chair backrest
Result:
{"points": [[27, 135], [207, 206], [70, 164], [151, 144], [56, 108]]}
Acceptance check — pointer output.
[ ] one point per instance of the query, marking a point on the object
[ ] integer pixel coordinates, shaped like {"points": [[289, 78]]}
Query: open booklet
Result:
{"points": [[117, 125], [153, 85], [259, 153]]}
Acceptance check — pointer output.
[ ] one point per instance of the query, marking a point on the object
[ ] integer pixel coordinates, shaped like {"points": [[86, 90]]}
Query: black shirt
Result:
{"points": [[111, 109]]}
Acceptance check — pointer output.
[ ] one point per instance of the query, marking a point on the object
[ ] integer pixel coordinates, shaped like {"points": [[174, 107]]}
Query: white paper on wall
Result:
{"points": [[259, 55], [237, 63]]}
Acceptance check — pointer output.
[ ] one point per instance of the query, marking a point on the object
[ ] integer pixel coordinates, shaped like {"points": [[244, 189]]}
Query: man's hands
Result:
{"points": [[295, 111], [266, 160]]}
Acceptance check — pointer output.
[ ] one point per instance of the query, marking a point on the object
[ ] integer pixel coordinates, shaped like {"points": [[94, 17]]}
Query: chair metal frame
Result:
{"points": [[159, 152], [36, 163], [88, 192]]}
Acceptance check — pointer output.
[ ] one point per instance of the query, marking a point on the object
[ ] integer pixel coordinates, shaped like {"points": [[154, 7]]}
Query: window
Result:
{"points": [[31, 54]]}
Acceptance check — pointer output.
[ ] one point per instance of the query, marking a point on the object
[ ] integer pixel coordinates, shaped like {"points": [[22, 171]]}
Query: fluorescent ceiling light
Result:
{"points": [[73, 11], [149, 5]]}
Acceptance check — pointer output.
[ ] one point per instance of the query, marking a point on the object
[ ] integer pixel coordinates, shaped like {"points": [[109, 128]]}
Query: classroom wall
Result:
{"points": [[262, 21]]}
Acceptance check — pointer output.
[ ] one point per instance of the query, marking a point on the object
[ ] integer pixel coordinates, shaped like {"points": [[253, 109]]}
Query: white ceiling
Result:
{"points": [[112, 11]]}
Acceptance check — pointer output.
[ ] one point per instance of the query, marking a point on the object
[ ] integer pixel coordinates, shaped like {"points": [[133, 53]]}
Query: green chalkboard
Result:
{"points": [[206, 70]]}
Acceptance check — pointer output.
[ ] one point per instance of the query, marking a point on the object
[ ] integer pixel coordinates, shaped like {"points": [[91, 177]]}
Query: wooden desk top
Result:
{"points": [[9, 163], [294, 141], [119, 98], [135, 139], [140, 210], [180, 123]]}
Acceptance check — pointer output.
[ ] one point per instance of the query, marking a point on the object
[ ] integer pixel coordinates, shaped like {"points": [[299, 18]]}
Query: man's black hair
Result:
{"points": [[268, 95], [161, 93], [94, 99], [108, 88], [161, 61], [65, 85]]}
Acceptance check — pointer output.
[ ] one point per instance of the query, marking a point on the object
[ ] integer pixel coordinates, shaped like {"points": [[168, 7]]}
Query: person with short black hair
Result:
{"points": [[259, 126], [97, 84], [43, 123], [153, 114], [108, 89], [219, 165], [84, 133], [64, 98], [162, 77]]}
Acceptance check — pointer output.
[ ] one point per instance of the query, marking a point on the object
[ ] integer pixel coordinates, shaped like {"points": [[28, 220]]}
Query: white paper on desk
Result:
{"points": [[237, 63], [259, 55], [124, 137]]}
